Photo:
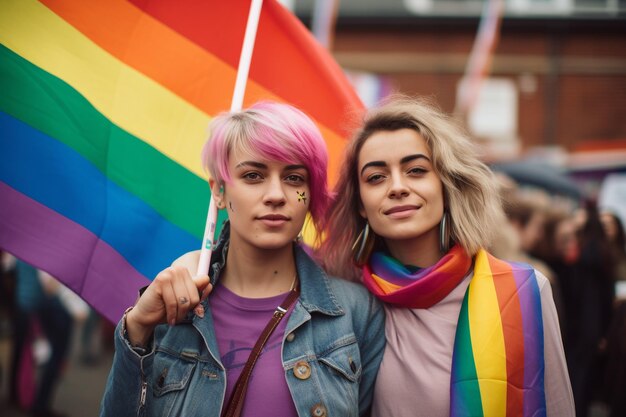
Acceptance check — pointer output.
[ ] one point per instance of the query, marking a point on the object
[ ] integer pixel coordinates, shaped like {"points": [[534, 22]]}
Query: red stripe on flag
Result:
{"points": [[511, 315]]}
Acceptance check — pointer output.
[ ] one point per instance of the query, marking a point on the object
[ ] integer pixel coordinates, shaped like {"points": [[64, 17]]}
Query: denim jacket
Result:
{"points": [[335, 337]]}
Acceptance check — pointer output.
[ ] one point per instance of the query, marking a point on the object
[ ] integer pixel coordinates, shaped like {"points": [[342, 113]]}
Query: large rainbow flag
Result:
{"points": [[104, 107]]}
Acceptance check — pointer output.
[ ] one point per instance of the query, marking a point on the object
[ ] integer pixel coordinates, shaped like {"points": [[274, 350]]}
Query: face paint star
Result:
{"points": [[301, 196]]}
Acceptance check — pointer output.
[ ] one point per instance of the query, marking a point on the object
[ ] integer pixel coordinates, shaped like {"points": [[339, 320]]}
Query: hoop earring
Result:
{"points": [[444, 235], [362, 246]]}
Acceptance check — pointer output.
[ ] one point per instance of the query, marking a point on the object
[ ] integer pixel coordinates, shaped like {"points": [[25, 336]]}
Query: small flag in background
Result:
{"points": [[103, 112]]}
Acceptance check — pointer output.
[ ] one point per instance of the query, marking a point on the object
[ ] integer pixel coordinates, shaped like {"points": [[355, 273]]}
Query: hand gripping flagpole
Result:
{"points": [[236, 105]]}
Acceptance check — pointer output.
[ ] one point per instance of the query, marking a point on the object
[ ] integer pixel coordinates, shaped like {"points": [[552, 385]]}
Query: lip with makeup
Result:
{"points": [[401, 212], [273, 220]]}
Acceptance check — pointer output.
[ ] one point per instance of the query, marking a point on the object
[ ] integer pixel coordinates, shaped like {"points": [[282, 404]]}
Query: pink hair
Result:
{"points": [[272, 131]]}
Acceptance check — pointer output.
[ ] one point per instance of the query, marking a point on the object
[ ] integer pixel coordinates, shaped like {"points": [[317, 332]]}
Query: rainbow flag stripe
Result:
{"points": [[103, 112], [498, 363]]}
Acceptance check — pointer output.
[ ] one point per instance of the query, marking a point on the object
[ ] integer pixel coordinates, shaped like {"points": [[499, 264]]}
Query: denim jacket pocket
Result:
{"points": [[170, 373], [339, 377], [345, 359]]}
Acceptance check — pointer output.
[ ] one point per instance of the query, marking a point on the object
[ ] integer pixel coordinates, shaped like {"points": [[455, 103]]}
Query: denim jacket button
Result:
{"points": [[290, 337], [318, 410], [302, 370]]}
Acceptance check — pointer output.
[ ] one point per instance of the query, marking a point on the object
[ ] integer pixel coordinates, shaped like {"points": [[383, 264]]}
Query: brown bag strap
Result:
{"points": [[235, 403]]}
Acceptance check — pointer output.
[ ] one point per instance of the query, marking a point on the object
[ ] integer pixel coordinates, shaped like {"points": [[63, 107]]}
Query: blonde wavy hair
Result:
{"points": [[470, 190]]}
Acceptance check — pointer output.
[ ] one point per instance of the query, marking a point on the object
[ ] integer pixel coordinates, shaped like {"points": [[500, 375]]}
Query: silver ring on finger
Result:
{"points": [[183, 300]]}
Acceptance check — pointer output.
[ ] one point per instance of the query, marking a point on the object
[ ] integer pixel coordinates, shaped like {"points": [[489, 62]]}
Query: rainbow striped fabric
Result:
{"points": [[394, 283], [103, 113], [497, 361]]}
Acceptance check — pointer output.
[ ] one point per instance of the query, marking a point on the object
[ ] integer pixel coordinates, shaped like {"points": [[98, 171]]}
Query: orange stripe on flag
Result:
{"points": [[511, 314], [286, 59], [156, 50], [160, 53]]}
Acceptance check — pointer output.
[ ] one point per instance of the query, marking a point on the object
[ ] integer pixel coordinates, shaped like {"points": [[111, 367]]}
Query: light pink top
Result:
{"points": [[414, 377]]}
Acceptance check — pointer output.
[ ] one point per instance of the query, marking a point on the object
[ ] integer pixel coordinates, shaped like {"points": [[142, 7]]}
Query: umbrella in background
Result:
{"points": [[541, 175]]}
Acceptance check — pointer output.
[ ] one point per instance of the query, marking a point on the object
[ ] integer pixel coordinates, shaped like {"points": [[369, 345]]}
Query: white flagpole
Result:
{"points": [[236, 105]]}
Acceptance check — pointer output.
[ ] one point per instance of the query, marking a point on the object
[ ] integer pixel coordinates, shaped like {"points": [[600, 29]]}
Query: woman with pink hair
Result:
{"points": [[265, 332]]}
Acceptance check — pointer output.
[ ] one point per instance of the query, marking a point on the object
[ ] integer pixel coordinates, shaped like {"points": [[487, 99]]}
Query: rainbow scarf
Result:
{"points": [[497, 363]]}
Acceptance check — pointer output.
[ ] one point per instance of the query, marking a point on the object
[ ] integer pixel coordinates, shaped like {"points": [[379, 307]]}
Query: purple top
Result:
{"points": [[238, 323]]}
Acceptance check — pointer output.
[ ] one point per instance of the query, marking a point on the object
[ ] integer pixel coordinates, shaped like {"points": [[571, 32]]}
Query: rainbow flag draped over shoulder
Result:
{"points": [[498, 361], [104, 107], [498, 357]]}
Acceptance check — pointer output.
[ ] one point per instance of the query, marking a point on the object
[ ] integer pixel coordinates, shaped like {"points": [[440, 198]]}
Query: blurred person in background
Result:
{"points": [[559, 248], [38, 305], [527, 216], [615, 375], [589, 299], [7, 304], [577, 250], [90, 343], [614, 230]]}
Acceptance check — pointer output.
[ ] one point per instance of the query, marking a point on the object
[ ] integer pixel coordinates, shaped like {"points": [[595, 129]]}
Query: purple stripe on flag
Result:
{"points": [[530, 302], [69, 252]]}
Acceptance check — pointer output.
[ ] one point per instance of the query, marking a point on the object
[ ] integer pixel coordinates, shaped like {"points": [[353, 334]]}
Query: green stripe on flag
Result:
{"points": [[466, 385]]}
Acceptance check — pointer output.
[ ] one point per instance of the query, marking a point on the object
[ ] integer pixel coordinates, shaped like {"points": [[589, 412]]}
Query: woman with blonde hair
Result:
{"points": [[467, 333]]}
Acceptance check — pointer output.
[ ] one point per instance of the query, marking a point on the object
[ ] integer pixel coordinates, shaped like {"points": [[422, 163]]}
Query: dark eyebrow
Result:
{"points": [[260, 165], [414, 157], [294, 167], [251, 163], [373, 164], [404, 160]]}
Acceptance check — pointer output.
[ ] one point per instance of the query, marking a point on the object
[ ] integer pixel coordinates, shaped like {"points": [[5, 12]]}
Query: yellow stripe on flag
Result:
{"points": [[487, 339]]}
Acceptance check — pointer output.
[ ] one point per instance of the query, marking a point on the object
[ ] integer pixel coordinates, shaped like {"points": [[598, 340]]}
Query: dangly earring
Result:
{"points": [[363, 245], [220, 203], [444, 235]]}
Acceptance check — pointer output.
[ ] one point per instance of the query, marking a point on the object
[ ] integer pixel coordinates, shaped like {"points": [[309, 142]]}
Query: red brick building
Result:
{"points": [[566, 65]]}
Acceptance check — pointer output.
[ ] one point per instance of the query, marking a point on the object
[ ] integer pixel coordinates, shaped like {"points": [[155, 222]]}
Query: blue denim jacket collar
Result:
{"points": [[315, 292]]}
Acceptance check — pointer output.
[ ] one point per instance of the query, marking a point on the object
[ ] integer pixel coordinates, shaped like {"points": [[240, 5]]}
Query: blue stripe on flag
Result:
{"points": [[54, 174]]}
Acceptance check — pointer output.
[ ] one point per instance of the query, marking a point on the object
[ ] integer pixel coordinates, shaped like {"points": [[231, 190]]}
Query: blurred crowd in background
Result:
{"points": [[41, 322], [580, 247]]}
